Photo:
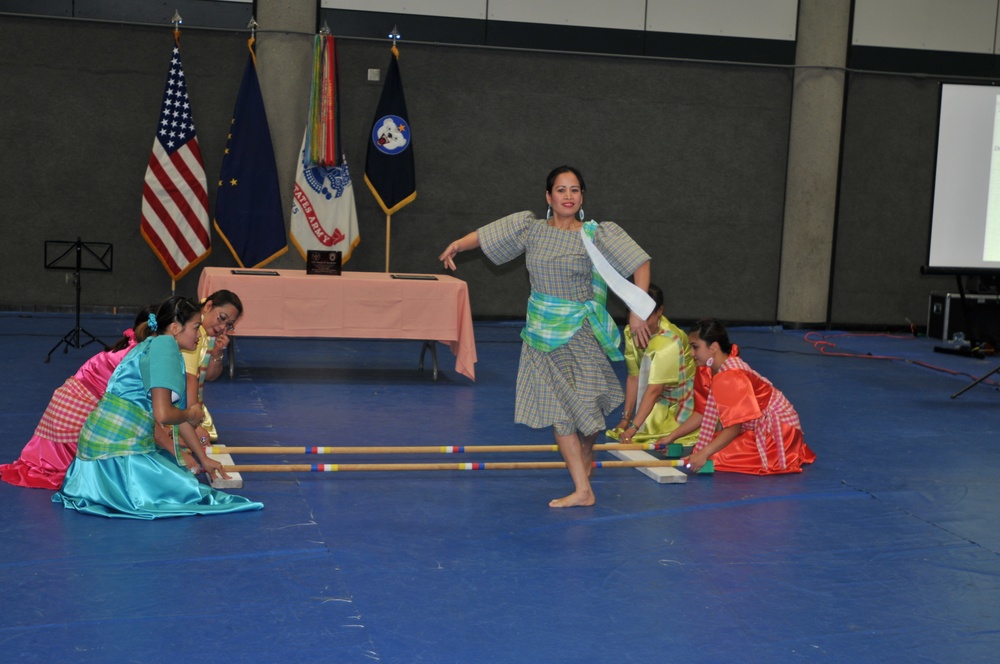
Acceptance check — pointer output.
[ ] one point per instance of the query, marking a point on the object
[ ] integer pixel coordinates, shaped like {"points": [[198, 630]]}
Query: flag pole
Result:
{"points": [[388, 217], [389, 163], [176, 20]]}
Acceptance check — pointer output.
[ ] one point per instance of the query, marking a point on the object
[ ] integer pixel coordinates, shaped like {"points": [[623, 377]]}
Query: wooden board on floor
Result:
{"points": [[662, 474], [235, 480]]}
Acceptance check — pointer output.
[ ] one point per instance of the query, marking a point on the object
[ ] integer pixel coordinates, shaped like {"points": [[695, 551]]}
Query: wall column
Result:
{"points": [[813, 161], [285, 38]]}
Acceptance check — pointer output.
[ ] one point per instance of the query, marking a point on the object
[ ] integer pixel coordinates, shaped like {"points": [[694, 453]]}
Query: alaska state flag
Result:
{"points": [[389, 165], [248, 212]]}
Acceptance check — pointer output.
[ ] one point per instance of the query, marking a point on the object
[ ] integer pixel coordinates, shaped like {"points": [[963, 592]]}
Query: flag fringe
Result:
{"points": [[236, 255], [166, 263], [395, 208], [345, 255]]}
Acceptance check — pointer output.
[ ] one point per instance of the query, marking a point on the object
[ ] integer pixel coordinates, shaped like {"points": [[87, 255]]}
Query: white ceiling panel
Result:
{"points": [[758, 19], [620, 14], [475, 9], [939, 25]]}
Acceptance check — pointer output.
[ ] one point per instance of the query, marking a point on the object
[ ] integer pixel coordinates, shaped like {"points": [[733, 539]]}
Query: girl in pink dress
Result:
{"points": [[47, 455]]}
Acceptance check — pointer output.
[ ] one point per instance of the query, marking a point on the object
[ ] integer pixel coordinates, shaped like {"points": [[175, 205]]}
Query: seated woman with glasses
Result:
{"points": [[220, 312]]}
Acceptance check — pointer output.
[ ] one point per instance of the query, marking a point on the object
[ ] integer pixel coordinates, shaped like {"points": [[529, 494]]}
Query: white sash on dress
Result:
{"points": [[634, 297], [644, 366]]}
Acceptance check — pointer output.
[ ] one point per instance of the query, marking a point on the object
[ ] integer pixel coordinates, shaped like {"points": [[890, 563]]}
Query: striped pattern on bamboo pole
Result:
{"points": [[499, 465], [431, 449]]}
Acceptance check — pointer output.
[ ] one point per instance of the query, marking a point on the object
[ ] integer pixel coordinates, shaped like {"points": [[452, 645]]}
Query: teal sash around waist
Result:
{"points": [[117, 427]]}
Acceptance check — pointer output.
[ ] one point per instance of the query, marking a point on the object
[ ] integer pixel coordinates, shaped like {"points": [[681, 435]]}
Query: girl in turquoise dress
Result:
{"points": [[119, 469], [565, 380]]}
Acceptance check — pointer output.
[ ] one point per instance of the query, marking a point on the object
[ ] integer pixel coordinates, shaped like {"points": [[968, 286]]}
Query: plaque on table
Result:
{"points": [[322, 262]]}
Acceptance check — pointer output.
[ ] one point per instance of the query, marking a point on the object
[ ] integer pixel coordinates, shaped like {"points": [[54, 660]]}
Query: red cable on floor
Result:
{"points": [[822, 345]]}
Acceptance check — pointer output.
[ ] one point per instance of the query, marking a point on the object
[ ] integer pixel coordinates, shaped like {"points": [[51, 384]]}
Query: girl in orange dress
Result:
{"points": [[747, 424]]}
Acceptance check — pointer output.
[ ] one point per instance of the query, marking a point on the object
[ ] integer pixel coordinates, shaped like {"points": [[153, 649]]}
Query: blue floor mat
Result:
{"points": [[886, 549]]}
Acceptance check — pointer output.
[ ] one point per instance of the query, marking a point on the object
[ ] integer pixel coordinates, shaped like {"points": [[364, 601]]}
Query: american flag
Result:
{"points": [[175, 218]]}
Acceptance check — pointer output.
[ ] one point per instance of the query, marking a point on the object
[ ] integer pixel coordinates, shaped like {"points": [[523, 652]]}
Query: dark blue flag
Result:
{"points": [[389, 165], [248, 212]]}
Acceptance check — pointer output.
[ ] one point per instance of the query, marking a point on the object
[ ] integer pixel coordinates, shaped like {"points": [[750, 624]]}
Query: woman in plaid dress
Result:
{"points": [[565, 380], [121, 469], [747, 424]]}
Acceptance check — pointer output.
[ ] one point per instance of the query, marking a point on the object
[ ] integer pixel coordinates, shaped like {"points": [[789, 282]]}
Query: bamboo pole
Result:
{"points": [[430, 449], [510, 465]]}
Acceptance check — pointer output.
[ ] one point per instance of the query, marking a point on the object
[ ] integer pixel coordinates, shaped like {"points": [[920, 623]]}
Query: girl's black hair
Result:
{"points": [[174, 309], [140, 318], [657, 295], [712, 331], [221, 298]]}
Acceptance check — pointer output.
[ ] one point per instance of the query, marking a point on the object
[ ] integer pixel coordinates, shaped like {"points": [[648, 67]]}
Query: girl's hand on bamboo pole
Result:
{"points": [[695, 462], [214, 469], [197, 448], [190, 462]]}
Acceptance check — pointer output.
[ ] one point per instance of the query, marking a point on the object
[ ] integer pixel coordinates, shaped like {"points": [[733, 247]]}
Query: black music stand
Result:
{"points": [[98, 259]]}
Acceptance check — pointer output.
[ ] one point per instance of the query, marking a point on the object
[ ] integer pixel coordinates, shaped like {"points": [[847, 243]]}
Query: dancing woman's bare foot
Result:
{"points": [[575, 499]]}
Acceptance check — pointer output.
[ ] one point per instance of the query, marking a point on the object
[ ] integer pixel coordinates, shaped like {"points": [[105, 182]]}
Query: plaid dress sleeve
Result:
{"points": [[506, 239], [621, 250]]}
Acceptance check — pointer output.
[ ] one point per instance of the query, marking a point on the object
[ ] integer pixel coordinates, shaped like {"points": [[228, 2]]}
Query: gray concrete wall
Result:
{"points": [[689, 157]]}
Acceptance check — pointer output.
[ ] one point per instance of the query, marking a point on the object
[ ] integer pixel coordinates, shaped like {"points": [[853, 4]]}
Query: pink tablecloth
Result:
{"points": [[364, 305]]}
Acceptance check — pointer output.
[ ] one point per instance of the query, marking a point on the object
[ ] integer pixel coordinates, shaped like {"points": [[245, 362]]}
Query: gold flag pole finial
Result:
{"points": [[252, 25], [177, 20]]}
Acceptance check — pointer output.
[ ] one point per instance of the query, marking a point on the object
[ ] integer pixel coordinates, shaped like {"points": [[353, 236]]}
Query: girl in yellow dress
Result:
{"points": [[660, 388]]}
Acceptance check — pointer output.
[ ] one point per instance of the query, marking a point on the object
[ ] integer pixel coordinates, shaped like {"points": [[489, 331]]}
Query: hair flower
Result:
{"points": [[152, 322]]}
